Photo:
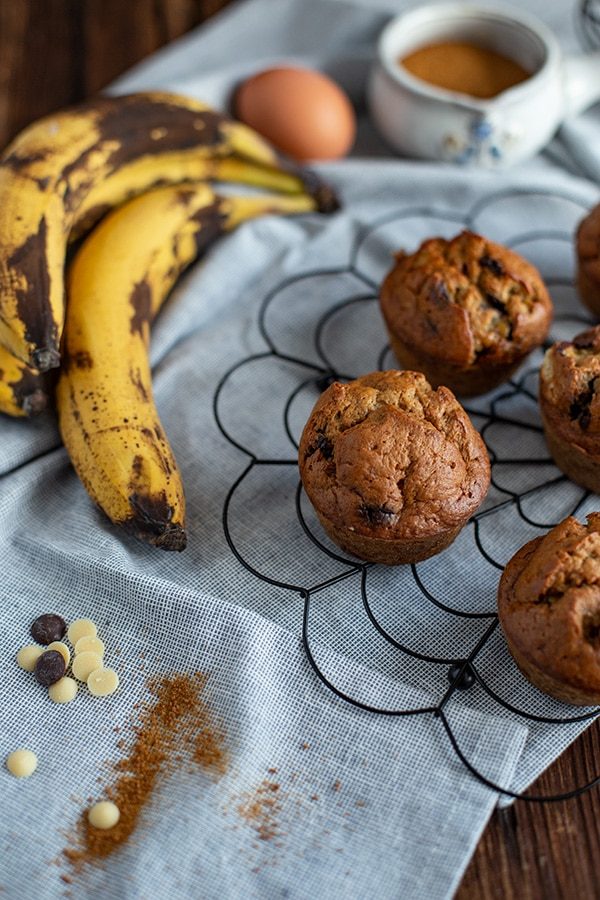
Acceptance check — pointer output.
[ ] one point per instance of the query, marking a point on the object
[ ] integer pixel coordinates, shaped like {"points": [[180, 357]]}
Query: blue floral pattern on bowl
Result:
{"points": [[482, 143]]}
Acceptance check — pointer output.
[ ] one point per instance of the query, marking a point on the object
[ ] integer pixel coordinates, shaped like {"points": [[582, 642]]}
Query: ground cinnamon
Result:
{"points": [[208, 748], [176, 720], [466, 68], [261, 810]]}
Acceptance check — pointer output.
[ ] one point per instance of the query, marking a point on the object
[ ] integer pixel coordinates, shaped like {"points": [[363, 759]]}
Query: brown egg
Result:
{"points": [[301, 112]]}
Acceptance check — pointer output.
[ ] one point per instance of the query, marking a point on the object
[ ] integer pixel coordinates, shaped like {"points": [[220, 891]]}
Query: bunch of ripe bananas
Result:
{"points": [[143, 166]]}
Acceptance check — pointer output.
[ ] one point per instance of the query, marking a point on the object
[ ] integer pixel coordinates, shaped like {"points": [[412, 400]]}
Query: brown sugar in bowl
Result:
{"points": [[393, 468], [569, 396], [466, 311], [549, 609]]}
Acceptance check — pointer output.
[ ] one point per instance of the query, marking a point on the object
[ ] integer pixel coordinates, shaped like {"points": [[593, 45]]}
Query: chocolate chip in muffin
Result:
{"points": [[591, 629], [579, 409], [376, 515], [325, 446], [494, 265]]}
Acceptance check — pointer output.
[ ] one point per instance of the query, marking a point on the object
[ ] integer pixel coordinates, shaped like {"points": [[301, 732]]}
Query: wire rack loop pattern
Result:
{"points": [[527, 493]]}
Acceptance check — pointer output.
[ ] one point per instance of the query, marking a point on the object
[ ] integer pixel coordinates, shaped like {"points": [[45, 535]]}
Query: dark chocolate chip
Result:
{"points": [[495, 267], [48, 628], [591, 628], [50, 667], [549, 597], [325, 446], [376, 515], [580, 408], [495, 303]]}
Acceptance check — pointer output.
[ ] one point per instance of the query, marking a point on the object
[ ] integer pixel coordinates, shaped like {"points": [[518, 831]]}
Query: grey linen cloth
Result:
{"points": [[369, 805]]}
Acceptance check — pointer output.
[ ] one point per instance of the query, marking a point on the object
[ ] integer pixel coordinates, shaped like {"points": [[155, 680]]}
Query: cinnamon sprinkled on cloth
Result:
{"points": [[175, 721], [261, 810]]}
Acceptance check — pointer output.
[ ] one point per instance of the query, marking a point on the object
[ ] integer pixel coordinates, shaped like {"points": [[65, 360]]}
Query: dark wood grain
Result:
{"points": [[56, 52], [534, 851]]}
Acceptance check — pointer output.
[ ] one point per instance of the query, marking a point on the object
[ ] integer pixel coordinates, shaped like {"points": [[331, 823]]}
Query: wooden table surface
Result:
{"points": [[56, 52]]}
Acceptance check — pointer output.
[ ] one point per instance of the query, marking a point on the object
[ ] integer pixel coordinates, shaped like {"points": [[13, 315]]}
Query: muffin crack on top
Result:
{"points": [[574, 567], [417, 399], [388, 459]]}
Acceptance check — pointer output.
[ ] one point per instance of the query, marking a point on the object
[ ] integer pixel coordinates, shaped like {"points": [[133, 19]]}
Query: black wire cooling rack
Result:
{"points": [[315, 370], [463, 671]]}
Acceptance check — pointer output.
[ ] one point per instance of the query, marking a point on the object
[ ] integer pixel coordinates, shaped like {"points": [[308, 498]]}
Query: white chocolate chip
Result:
{"points": [[63, 690], [104, 815], [89, 642], [21, 763], [62, 649], [79, 628], [103, 682], [28, 656], [84, 664]]}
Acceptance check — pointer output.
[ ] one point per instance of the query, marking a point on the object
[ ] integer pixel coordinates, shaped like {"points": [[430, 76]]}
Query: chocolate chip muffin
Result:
{"points": [[570, 407], [587, 245], [393, 467], [549, 609], [465, 311]]}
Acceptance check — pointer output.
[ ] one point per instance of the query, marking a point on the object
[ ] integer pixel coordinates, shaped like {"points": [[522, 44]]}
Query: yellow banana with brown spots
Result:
{"points": [[116, 284], [64, 171]]}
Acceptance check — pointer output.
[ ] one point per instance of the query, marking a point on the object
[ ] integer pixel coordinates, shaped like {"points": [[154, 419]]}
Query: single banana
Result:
{"points": [[64, 171], [23, 390], [148, 172], [116, 284]]}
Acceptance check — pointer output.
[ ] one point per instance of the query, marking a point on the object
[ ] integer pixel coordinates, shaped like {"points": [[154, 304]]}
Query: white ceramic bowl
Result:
{"points": [[421, 120]]}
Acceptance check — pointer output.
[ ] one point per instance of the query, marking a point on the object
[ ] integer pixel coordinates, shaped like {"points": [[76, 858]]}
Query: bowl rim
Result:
{"points": [[451, 10]]}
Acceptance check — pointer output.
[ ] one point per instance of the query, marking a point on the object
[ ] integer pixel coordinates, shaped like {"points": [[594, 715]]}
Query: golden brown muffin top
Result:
{"points": [[570, 388], [552, 609], [588, 244], [390, 457], [466, 300]]}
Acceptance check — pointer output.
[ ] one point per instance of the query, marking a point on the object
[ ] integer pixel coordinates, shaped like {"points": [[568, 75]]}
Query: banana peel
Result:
{"points": [[117, 282]]}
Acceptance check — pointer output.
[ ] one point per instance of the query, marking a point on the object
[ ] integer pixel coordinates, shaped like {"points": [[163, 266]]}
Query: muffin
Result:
{"points": [[570, 407], [549, 609], [465, 311], [393, 468], [587, 245]]}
